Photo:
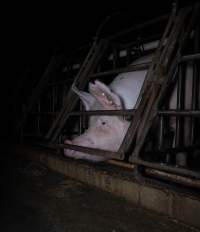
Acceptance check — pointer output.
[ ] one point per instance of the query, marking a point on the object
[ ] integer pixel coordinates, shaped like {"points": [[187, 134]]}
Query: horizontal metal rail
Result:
{"points": [[88, 150], [93, 112], [190, 57], [104, 112], [172, 177], [192, 113], [130, 68], [167, 168], [189, 113]]}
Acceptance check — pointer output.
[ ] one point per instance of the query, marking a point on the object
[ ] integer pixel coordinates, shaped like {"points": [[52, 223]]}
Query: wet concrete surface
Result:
{"points": [[37, 199]]}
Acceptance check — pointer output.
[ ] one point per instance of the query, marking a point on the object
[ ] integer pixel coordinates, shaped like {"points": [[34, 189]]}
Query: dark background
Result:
{"points": [[33, 31]]}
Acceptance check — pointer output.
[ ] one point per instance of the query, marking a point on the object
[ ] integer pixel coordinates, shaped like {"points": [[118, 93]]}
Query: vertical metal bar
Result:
{"points": [[161, 133], [80, 119], [38, 118], [53, 98], [179, 135], [195, 86]]}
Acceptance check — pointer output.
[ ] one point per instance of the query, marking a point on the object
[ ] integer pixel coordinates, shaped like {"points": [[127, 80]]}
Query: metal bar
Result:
{"points": [[161, 133], [195, 85], [167, 168], [160, 77], [103, 112], [121, 164], [90, 63], [88, 150], [132, 130], [70, 95], [179, 132], [175, 178], [190, 57], [140, 26], [181, 113], [38, 118], [94, 112], [130, 68], [80, 119], [55, 60]]}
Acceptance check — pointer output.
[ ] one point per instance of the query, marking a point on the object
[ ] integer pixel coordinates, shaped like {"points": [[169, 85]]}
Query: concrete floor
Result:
{"points": [[37, 199]]}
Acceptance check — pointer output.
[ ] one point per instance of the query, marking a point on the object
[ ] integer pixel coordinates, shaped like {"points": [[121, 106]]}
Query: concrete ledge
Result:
{"points": [[181, 207]]}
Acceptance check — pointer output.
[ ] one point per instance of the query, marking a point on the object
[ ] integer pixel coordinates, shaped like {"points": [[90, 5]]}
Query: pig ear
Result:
{"points": [[105, 96], [86, 98]]}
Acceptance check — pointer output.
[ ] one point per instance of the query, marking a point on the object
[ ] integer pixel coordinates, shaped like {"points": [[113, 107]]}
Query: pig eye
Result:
{"points": [[103, 123]]}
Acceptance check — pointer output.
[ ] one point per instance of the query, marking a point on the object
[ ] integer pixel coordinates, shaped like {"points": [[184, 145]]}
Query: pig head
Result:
{"points": [[104, 132]]}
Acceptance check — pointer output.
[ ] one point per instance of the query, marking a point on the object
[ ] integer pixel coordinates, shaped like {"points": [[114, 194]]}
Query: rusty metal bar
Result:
{"points": [[167, 168], [90, 63], [131, 133], [175, 178], [88, 150], [121, 164], [180, 113], [163, 76], [130, 68]]}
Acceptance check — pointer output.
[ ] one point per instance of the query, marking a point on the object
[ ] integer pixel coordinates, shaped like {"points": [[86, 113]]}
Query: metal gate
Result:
{"points": [[151, 155]]}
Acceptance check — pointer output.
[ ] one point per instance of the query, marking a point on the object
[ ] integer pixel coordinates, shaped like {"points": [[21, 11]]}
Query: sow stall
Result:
{"points": [[157, 172]]}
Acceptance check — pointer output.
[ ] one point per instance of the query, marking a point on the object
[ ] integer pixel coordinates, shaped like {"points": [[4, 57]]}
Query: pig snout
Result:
{"points": [[79, 142], [68, 152], [85, 142]]}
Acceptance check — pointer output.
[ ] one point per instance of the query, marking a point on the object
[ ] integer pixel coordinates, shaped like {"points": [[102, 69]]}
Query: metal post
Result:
{"points": [[180, 106], [195, 86], [161, 133], [80, 119]]}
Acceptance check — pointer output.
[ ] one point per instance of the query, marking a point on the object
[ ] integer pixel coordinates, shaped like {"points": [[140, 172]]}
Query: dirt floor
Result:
{"points": [[37, 199]]}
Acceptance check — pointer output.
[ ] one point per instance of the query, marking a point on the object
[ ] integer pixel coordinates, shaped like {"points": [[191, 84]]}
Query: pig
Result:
{"points": [[107, 132]]}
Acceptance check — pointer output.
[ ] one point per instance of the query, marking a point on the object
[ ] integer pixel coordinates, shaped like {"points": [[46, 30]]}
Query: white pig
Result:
{"points": [[107, 132]]}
